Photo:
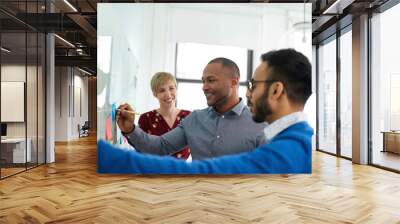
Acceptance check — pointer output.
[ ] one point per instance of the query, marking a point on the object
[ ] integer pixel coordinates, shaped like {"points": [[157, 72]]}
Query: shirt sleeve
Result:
{"points": [[275, 158], [245, 163], [166, 144]]}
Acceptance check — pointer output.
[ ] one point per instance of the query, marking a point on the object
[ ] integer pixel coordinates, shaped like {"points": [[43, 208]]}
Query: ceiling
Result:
{"points": [[76, 22]]}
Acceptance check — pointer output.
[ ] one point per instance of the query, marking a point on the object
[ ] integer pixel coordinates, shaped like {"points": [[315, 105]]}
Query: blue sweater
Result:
{"points": [[288, 152]]}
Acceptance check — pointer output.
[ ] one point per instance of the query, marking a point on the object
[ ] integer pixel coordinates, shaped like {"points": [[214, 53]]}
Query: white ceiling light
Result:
{"points": [[338, 6], [70, 5], [5, 50], [65, 41]]}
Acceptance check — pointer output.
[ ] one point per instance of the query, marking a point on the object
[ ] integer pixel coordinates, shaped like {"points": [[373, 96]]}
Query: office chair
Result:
{"points": [[84, 130]]}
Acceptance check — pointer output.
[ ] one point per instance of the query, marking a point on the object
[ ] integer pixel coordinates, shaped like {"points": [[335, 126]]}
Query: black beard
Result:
{"points": [[262, 109]]}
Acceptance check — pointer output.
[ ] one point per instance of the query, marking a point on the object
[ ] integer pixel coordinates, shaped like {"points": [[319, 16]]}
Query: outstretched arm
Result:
{"points": [[266, 159]]}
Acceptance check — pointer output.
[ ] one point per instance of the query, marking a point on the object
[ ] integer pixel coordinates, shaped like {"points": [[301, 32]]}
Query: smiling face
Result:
{"points": [[217, 84], [166, 94]]}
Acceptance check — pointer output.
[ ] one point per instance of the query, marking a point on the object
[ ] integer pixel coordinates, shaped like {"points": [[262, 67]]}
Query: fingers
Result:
{"points": [[119, 113], [125, 118], [124, 111], [124, 106], [127, 107], [121, 108]]}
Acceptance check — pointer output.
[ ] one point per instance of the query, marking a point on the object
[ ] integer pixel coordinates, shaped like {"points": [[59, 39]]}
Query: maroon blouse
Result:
{"points": [[153, 123]]}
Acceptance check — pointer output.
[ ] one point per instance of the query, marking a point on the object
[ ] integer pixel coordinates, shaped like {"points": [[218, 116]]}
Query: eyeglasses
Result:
{"points": [[251, 84]]}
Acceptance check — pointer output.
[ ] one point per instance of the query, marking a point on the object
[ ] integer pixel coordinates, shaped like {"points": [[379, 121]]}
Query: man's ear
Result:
{"points": [[235, 81], [276, 90]]}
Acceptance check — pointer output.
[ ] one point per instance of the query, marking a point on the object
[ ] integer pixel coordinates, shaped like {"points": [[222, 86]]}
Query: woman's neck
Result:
{"points": [[167, 111]]}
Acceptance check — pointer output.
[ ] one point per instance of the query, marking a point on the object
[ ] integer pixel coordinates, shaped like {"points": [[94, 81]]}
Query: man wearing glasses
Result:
{"points": [[278, 92], [225, 127]]}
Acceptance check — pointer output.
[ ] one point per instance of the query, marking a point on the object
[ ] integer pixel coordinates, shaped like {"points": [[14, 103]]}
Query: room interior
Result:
{"points": [[50, 69]]}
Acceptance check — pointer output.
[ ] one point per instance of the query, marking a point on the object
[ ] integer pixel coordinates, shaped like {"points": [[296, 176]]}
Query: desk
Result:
{"points": [[391, 141], [15, 148]]}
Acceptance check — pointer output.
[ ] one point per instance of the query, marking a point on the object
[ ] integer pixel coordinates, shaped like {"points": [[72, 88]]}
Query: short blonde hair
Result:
{"points": [[159, 79]]}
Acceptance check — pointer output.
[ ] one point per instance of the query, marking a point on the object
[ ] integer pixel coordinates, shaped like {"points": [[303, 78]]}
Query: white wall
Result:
{"points": [[67, 81], [61, 103], [248, 26], [224, 24]]}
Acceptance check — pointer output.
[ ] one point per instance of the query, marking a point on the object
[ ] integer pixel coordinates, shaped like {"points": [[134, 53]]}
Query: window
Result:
{"points": [[394, 102], [190, 63], [346, 94], [385, 89], [327, 97]]}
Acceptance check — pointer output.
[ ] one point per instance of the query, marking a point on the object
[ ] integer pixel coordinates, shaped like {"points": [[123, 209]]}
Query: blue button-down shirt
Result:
{"points": [[207, 133]]}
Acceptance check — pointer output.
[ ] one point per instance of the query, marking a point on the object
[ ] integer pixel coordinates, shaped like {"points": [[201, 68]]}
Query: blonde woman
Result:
{"points": [[167, 117]]}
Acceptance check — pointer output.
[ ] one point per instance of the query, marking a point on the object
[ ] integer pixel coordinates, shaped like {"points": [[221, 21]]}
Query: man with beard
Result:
{"points": [[225, 127], [277, 93]]}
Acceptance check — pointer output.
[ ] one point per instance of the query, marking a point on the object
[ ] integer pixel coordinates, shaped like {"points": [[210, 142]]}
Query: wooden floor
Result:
{"points": [[387, 159], [5, 172], [10, 171], [70, 191]]}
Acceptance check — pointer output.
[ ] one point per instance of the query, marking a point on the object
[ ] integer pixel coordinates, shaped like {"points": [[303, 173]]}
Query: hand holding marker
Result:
{"points": [[114, 112], [125, 117]]}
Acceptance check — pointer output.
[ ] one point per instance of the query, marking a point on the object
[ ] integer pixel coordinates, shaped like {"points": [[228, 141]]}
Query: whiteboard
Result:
{"points": [[12, 101]]}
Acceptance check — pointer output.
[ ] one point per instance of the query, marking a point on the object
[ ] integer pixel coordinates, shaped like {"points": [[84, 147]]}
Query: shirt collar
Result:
{"points": [[237, 109], [282, 123]]}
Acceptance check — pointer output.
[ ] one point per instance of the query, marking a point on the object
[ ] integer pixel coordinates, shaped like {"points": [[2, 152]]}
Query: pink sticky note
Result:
{"points": [[108, 129]]}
